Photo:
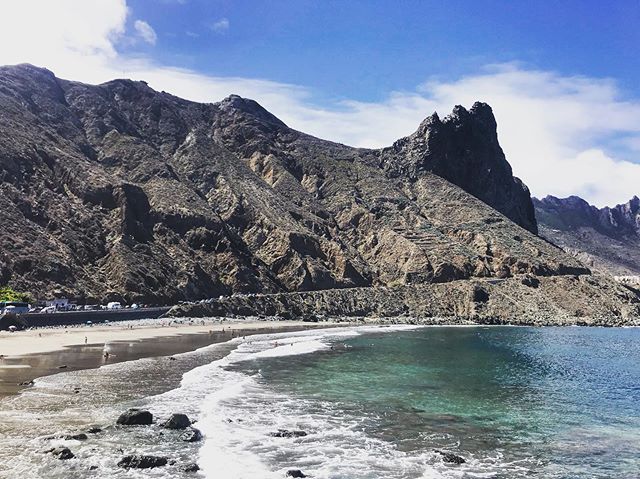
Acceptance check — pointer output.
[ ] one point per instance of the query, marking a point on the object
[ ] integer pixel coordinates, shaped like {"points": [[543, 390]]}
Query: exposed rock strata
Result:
{"points": [[118, 191], [555, 300]]}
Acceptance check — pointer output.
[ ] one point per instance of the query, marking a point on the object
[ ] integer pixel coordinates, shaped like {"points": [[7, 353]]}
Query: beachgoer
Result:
{"points": [[85, 340]]}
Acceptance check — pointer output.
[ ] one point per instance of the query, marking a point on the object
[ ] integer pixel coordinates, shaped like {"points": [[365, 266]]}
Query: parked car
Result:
{"points": [[14, 307], [114, 305]]}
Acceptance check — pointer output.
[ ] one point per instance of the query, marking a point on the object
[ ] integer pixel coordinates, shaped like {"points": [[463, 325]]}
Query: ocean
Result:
{"points": [[373, 402]]}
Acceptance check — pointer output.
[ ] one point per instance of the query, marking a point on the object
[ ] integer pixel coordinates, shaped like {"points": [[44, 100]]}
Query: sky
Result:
{"points": [[561, 76]]}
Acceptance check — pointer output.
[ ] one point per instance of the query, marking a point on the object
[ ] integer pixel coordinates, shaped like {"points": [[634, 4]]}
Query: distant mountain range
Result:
{"points": [[607, 239]]}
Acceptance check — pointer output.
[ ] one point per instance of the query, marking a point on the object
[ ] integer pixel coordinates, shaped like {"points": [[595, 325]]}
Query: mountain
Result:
{"points": [[607, 239], [120, 192]]}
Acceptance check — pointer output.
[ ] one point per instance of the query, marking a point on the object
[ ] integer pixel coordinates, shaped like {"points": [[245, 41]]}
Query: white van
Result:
{"points": [[114, 305], [14, 307]]}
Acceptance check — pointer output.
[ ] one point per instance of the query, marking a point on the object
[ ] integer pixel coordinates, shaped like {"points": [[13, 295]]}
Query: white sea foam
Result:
{"points": [[238, 412]]}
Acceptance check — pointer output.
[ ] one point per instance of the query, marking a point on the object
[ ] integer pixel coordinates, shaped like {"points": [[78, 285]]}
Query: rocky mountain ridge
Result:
{"points": [[606, 238], [120, 192]]}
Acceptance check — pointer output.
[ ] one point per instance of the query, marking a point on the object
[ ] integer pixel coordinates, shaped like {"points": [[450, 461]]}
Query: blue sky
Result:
{"points": [[561, 76], [364, 49]]}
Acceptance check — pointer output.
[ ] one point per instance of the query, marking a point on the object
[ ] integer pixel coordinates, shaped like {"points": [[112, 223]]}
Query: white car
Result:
{"points": [[114, 305]]}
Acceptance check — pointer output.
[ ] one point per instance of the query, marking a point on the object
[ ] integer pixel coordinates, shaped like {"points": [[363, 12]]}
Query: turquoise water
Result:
{"points": [[514, 402], [374, 402]]}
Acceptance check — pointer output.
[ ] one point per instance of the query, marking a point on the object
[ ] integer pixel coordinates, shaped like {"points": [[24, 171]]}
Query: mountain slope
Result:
{"points": [[607, 239], [118, 191]]}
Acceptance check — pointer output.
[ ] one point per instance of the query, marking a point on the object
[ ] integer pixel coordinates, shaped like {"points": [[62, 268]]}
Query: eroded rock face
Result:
{"points": [[463, 148], [606, 238], [117, 192]]}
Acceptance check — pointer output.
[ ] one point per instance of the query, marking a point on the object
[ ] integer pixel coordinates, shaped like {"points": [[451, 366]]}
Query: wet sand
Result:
{"points": [[36, 353]]}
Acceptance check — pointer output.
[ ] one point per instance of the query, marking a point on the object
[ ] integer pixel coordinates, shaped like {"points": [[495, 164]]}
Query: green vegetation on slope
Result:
{"points": [[8, 294]]}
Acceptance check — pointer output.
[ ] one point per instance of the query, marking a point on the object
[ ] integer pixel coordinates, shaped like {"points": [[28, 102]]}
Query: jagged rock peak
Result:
{"points": [[429, 122], [464, 149]]}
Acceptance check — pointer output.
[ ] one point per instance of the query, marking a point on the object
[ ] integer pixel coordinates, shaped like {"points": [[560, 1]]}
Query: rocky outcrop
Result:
{"points": [[177, 421], [119, 192], [607, 239], [463, 148], [142, 462], [594, 300], [135, 417]]}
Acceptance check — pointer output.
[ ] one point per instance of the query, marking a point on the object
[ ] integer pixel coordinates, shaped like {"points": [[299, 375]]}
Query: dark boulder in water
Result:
{"points": [[94, 430], [451, 458], [142, 462], [295, 473], [287, 433], [192, 468], [191, 435], [76, 437], [62, 453], [135, 417], [177, 421]]}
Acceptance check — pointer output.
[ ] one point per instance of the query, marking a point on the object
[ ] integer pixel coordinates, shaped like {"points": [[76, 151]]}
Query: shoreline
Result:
{"points": [[29, 355]]}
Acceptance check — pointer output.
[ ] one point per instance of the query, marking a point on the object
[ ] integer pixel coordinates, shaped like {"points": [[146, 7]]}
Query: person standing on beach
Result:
{"points": [[85, 340]]}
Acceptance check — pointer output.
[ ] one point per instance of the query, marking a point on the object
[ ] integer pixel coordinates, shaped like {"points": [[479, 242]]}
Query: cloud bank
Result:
{"points": [[562, 134]]}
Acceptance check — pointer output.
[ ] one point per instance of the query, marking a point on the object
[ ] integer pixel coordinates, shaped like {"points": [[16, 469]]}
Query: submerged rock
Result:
{"points": [[287, 433], [191, 435], [295, 473], [62, 453], [142, 462], [94, 430], [135, 417], [451, 458], [76, 437], [192, 468], [177, 421]]}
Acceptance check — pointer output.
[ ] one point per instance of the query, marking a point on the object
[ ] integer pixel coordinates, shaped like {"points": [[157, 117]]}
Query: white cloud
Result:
{"points": [[563, 135], [146, 32], [221, 26]]}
